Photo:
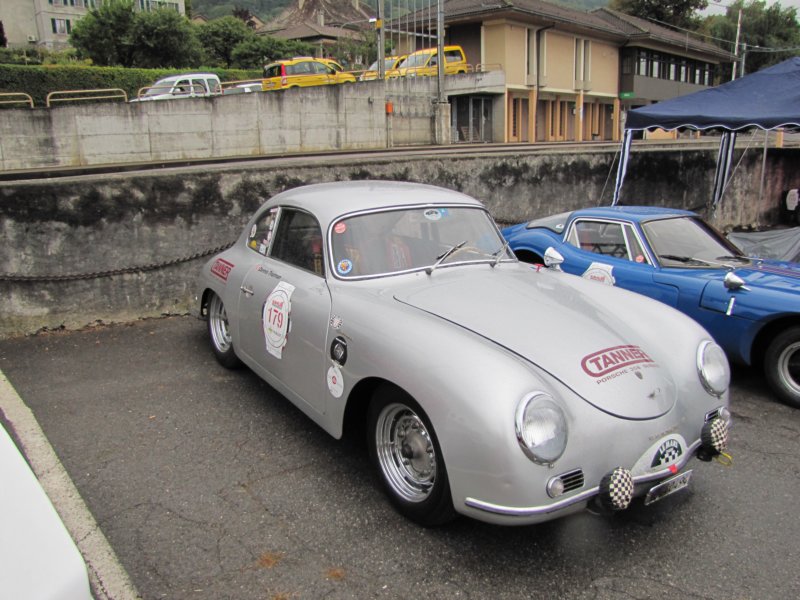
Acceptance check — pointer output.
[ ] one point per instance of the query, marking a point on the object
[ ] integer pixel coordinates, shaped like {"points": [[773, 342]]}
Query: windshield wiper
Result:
{"points": [[499, 254], [692, 259], [731, 257], [441, 258]]}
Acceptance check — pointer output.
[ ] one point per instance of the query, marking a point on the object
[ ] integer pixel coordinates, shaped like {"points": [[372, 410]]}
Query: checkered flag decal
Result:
{"points": [[715, 435], [616, 489]]}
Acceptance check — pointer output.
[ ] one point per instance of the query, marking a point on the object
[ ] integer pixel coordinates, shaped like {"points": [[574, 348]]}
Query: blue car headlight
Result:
{"points": [[713, 368], [541, 428]]}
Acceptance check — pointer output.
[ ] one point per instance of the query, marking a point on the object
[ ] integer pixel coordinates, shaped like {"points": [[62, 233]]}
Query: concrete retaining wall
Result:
{"points": [[341, 117], [136, 237]]}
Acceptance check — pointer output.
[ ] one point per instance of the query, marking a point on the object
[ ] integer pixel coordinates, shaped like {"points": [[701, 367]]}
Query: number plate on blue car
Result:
{"points": [[667, 487]]}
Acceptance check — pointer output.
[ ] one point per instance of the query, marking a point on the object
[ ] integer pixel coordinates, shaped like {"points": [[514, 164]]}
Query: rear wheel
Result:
{"points": [[220, 334], [782, 366], [406, 455]]}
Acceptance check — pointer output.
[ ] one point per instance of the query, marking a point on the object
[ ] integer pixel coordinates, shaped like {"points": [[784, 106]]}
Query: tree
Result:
{"points": [[104, 34], [765, 31], [3, 40], [164, 38], [680, 13], [258, 50], [219, 38]]}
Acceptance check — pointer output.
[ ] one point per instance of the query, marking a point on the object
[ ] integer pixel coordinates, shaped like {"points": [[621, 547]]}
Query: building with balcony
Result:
{"points": [[48, 23]]}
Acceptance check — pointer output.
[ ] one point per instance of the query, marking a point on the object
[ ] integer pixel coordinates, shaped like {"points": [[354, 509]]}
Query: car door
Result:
{"points": [[284, 306], [612, 252]]}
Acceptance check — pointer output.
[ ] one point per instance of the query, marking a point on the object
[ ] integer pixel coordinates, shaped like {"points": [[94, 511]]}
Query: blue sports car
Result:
{"points": [[749, 305]]}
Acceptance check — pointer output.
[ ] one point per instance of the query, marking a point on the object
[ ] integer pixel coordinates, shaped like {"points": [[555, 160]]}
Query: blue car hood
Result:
{"points": [[773, 286]]}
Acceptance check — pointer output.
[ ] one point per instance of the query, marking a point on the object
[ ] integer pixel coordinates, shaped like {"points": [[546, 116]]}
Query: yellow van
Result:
{"points": [[302, 72], [424, 62]]}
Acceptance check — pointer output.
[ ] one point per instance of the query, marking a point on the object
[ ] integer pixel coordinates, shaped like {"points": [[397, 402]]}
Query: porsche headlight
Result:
{"points": [[713, 368], [541, 428]]}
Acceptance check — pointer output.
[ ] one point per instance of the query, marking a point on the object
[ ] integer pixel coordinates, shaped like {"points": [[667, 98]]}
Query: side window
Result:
{"points": [[261, 233], [601, 238], [298, 241], [452, 56], [183, 86]]}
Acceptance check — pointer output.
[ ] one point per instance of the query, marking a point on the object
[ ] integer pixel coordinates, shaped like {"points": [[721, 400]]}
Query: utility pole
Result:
{"points": [[381, 40], [440, 49], [736, 45]]}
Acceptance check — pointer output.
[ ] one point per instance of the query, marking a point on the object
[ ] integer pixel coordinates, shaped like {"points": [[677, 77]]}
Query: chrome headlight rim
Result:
{"points": [[542, 401], [711, 357]]}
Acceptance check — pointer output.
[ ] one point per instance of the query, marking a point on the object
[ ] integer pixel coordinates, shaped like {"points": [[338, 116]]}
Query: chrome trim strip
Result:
{"points": [[531, 511]]}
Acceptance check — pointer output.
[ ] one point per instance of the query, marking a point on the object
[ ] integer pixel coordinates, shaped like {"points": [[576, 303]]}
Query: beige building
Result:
{"points": [[564, 70], [48, 23]]}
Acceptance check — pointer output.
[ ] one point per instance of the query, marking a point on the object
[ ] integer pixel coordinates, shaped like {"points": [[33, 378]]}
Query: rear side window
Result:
{"points": [[453, 56], [298, 241]]}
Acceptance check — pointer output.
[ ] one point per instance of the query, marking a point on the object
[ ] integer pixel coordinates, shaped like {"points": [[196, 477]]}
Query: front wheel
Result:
{"points": [[782, 366], [406, 455], [220, 334]]}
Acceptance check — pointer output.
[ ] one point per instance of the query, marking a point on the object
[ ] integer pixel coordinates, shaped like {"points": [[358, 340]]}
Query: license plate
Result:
{"points": [[670, 486]]}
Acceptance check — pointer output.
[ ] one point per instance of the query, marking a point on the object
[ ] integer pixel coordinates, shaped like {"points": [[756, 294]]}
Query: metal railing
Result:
{"points": [[16, 98], [84, 95]]}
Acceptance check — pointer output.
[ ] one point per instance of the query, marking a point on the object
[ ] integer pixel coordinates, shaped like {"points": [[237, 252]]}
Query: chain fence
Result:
{"points": [[13, 277]]}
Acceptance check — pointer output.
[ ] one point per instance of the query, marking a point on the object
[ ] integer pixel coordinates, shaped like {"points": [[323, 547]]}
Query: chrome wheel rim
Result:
{"points": [[218, 324], [406, 454], [789, 367]]}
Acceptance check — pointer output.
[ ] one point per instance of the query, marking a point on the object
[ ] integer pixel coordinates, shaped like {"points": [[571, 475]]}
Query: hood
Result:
{"points": [[578, 334], [772, 274]]}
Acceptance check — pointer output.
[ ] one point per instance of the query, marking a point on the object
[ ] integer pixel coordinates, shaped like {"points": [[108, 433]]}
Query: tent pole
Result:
{"points": [[622, 167], [763, 167]]}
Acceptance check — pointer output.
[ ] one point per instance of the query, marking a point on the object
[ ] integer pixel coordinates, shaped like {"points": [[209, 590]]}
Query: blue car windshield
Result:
{"points": [[689, 242], [411, 239]]}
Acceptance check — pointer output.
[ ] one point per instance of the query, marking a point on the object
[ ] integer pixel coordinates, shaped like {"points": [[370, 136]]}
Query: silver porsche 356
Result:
{"points": [[487, 387]]}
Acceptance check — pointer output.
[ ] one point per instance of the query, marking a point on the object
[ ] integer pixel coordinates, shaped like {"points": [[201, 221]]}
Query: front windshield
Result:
{"points": [[163, 86], [688, 242], [402, 240], [416, 60]]}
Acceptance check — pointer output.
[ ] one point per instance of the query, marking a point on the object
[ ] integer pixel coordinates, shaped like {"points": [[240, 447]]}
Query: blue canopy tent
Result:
{"points": [[767, 99]]}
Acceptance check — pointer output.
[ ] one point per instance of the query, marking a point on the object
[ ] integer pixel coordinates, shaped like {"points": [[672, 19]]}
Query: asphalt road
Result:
{"points": [[209, 485]]}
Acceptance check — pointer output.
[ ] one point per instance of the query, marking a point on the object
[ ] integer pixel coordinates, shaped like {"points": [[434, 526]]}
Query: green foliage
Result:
{"points": [[765, 30], [164, 38], [219, 38], [38, 81], [104, 34], [681, 13], [256, 51]]}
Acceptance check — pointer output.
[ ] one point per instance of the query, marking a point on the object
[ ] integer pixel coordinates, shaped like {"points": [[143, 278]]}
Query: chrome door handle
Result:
{"points": [[247, 290]]}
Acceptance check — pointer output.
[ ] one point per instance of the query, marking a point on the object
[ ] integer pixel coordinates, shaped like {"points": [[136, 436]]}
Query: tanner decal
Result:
{"points": [[275, 318], [335, 382], [613, 362], [336, 322], [222, 268], [600, 273]]}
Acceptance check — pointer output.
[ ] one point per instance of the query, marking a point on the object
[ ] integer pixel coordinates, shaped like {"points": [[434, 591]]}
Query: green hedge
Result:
{"points": [[39, 80]]}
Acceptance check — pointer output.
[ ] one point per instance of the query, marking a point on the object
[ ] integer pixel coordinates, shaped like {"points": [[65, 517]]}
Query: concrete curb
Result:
{"points": [[107, 577]]}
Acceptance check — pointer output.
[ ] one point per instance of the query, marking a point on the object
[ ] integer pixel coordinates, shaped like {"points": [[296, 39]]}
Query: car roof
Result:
{"points": [[328, 201], [632, 213], [183, 75]]}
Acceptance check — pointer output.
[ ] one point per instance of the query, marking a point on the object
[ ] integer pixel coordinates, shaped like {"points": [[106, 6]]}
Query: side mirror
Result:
{"points": [[553, 259], [733, 282]]}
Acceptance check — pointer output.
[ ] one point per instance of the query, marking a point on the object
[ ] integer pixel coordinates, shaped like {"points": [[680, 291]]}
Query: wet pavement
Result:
{"points": [[210, 485]]}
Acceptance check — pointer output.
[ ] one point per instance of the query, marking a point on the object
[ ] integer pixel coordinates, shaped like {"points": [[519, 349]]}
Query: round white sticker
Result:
{"points": [[335, 382], [275, 317]]}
